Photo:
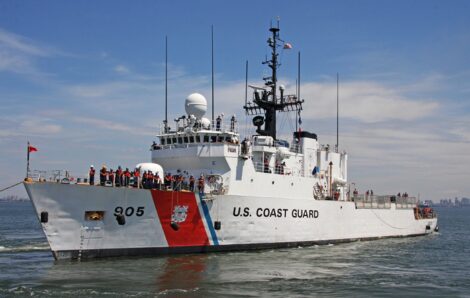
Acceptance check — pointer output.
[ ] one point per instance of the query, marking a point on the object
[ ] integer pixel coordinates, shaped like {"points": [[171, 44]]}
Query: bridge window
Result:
{"points": [[191, 139], [186, 140], [213, 139], [180, 140], [198, 138], [174, 140], [206, 139], [163, 141]]}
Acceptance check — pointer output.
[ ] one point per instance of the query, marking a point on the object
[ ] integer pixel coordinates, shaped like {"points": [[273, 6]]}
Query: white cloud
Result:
{"points": [[121, 69], [21, 44], [17, 53], [118, 125], [364, 101]]}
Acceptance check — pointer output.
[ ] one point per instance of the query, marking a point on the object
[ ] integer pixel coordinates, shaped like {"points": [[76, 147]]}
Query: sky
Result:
{"points": [[83, 81]]}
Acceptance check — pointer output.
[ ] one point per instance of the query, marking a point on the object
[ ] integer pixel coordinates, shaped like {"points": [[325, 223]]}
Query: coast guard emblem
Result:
{"points": [[179, 213]]}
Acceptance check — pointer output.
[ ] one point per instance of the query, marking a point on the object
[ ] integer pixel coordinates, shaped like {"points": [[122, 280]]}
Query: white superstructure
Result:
{"points": [[228, 191]]}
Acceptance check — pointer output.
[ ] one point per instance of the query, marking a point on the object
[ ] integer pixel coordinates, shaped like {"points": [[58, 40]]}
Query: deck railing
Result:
{"points": [[383, 202]]}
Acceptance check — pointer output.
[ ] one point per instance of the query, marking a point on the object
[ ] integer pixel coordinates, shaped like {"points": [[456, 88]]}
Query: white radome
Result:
{"points": [[196, 104], [149, 166]]}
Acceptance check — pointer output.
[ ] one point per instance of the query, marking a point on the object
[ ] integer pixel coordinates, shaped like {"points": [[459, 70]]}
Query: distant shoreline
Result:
{"points": [[13, 199]]}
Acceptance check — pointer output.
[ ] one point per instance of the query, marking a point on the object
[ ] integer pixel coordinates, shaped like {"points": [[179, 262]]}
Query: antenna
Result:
{"points": [[298, 76], [212, 40], [246, 83], [298, 89], [166, 83], [337, 112]]}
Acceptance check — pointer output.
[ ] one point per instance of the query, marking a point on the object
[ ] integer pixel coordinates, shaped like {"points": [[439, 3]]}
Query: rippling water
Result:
{"points": [[436, 265]]}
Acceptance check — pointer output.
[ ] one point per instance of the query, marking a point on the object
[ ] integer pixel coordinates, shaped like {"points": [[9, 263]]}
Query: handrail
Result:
{"points": [[224, 126], [280, 170]]}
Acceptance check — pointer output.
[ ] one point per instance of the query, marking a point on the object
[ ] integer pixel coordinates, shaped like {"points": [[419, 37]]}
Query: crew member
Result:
{"points": [[158, 181], [103, 173], [218, 122], [145, 177], [150, 183], [200, 184], [168, 180], [118, 179], [266, 165], [191, 182], [111, 176], [127, 177], [232, 123], [92, 175], [137, 178]]}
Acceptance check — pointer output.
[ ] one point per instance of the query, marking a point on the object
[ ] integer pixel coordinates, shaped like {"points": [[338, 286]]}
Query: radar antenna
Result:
{"points": [[265, 100]]}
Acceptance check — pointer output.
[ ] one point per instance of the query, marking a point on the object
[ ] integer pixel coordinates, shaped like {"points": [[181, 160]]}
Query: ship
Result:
{"points": [[256, 191]]}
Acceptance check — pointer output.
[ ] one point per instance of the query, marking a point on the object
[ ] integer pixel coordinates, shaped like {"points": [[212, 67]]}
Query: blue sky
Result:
{"points": [[83, 81]]}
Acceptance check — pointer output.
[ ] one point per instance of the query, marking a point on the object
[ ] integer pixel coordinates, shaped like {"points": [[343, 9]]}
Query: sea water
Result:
{"points": [[436, 265]]}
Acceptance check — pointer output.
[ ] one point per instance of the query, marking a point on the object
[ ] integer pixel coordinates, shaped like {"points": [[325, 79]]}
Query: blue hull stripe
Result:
{"points": [[207, 216]]}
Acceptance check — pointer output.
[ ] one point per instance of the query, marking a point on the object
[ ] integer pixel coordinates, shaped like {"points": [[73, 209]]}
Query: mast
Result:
{"points": [[166, 84], [246, 83], [265, 99], [212, 56], [337, 112]]}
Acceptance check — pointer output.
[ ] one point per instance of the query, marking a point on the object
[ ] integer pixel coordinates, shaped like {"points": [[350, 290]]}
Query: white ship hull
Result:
{"points": [[245, 222]]}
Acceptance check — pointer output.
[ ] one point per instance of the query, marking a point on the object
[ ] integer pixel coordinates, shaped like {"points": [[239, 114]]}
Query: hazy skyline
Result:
{"points": [[83, 81]]}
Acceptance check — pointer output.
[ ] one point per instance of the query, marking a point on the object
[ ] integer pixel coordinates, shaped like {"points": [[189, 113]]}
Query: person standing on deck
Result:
{"points": [[200, 184], [218, 122], [137, 178], [92, 175], [111, 176], [158, 180], [127, 177], [191, 182], [103, 174], [118, 181], [233, 121]]}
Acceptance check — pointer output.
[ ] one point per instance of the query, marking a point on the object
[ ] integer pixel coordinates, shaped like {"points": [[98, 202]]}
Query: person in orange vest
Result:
{"points": [[191, 182], [103, 174], [127, 177], [92, 175], [200, 184], [168, 180], [137, 178], [111, 176]]}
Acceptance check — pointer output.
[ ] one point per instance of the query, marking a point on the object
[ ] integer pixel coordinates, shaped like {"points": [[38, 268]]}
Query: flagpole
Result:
{"points": [[27, 164]]}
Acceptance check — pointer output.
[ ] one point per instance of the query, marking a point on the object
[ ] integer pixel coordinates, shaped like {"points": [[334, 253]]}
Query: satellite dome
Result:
{"points": [[196, 105]]}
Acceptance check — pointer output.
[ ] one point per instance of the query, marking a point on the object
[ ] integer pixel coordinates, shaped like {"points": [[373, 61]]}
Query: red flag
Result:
{"points": [[287, 46], [32, 149]]}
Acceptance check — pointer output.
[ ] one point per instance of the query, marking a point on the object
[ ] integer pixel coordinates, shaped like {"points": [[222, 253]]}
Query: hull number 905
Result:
{"points": [[129, 211]]}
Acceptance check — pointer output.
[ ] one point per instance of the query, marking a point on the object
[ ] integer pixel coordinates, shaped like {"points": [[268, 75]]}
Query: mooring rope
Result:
{"points": [[11, 186]]}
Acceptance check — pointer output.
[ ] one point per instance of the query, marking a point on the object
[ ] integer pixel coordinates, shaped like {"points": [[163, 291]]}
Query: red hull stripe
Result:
{"points": [[191, 230]]}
